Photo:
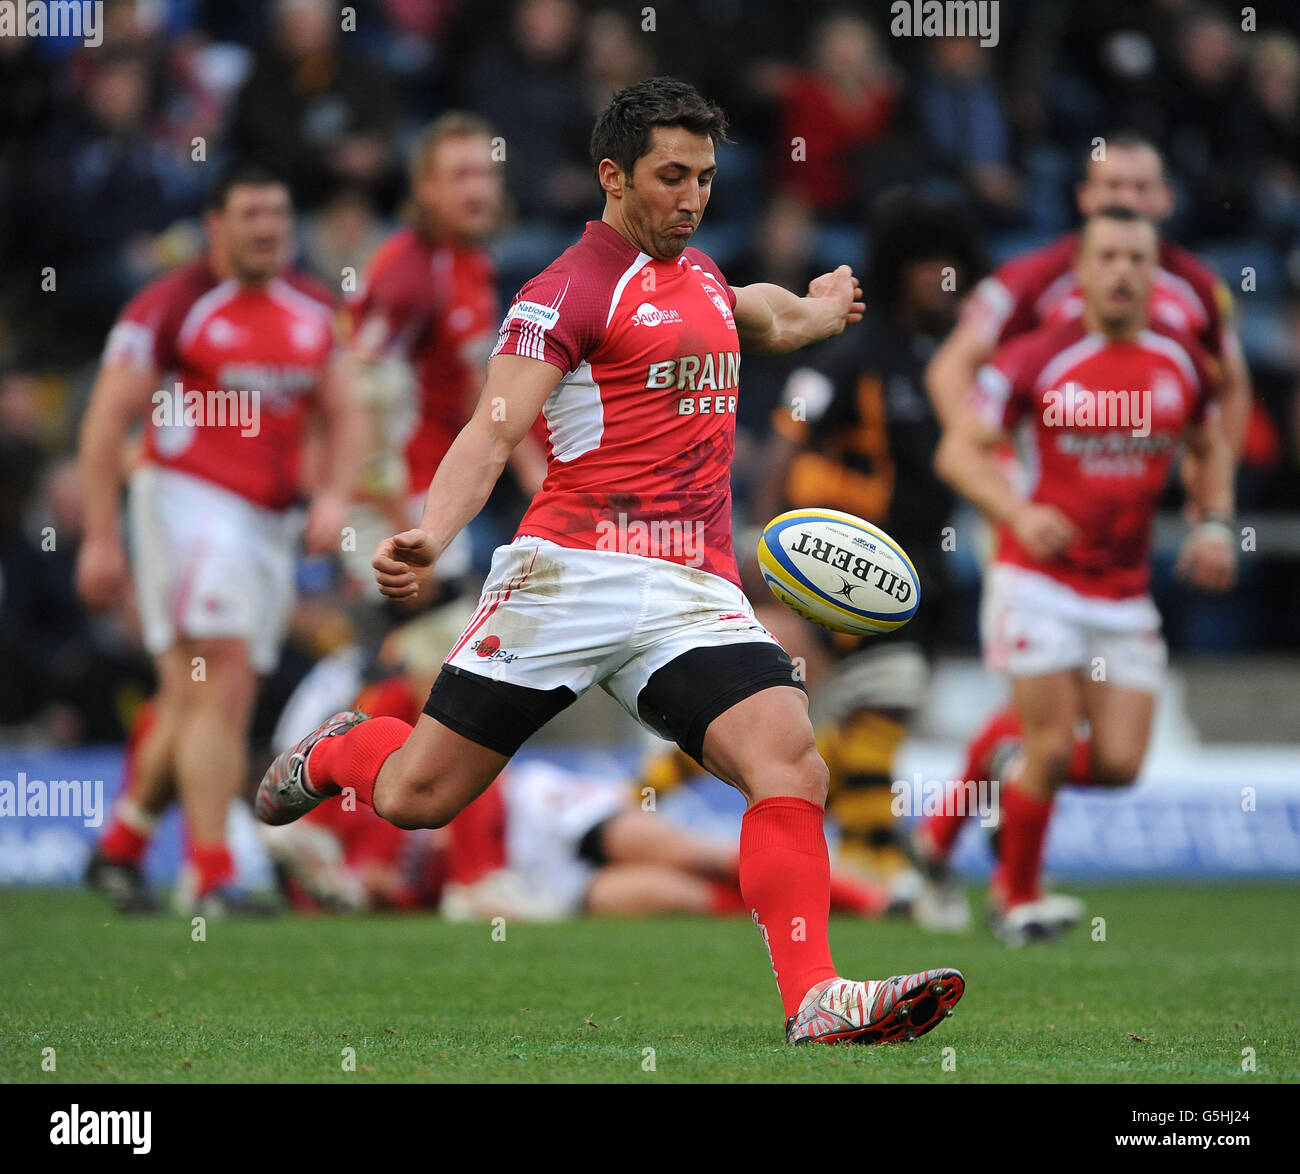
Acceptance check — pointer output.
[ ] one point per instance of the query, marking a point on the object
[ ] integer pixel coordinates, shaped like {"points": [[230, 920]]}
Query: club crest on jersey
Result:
{"points": [[648, 315], [724, 306]]}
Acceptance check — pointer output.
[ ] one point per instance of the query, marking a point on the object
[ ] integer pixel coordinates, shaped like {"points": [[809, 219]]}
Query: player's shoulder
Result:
{"points": [[584, 278], [1184, 264], [1183, 347], [1028, 273], [306, 291], [1028, 353], [175, 291], [400, 248], [699, 260]]}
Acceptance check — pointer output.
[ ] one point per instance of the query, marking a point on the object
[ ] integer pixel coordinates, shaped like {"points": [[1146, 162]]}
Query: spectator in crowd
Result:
{"points": [[962, 122], [96, 192], [1209, 128], [1274, 97], [832, 114], [321, 120], [529, 87]]}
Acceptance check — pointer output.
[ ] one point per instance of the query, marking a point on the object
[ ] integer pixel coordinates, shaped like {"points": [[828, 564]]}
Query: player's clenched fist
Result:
{"points": [[401, 562], [101, 571], [843, 289], [1043, 530], [1208, 559]]}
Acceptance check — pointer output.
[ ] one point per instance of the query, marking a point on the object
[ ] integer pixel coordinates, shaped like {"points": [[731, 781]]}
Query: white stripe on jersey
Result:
{"points": [[575, 415], [208, 304], [1076, 352], [1168, 346], [642, 259]]}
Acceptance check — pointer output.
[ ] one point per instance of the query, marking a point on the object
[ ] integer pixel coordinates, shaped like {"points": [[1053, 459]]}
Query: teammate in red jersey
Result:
{"points": [[1099, 404], [1125, 170], [623, 572], [427, 316], [248, 350], [1042, 287]]}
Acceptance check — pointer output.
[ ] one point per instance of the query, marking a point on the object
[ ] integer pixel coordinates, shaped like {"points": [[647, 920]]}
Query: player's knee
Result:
{"points": [[1052, 751], [1115, 768], [802, 774]]}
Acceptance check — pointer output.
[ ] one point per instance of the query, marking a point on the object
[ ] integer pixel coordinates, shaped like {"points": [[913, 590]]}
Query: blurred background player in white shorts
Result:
{"points": [[1099, 406], [226, 359]]}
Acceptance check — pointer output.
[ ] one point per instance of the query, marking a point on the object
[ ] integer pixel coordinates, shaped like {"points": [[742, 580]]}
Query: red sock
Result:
{"points": [[355, 758], [849, 895], [478, 839], [943, 828], [1021, 836], [785, 878], [213, 866], [128, 834], [725, 898]]}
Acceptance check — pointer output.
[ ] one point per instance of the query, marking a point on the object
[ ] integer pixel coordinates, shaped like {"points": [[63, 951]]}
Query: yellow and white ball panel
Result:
{"points": [[839, 571]]}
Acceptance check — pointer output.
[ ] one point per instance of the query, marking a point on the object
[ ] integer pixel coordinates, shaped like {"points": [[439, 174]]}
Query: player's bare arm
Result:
{"points": [[346, 443], [513, 394], [1208, 559], [120, 395], [967, 459], [952, 370], [773, 321]]}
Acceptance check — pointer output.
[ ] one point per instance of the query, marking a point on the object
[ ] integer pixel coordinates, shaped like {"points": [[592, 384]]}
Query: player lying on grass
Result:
{"points": [[564, 844], [622, 573], [1100, 405]]}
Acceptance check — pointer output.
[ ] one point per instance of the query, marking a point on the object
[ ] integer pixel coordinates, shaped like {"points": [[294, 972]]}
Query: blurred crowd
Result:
{"points": [[105, 154]]}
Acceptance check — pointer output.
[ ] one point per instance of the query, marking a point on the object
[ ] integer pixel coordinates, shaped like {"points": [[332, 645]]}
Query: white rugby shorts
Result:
{"points": [[209, 563], [551, 617], [1031, 624]]}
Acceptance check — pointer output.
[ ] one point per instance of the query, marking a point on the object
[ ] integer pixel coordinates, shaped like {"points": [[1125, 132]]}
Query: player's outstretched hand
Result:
{"points": [[402, 561], [1208, 559], [101, 571], [1043, 530], [841, 289]]}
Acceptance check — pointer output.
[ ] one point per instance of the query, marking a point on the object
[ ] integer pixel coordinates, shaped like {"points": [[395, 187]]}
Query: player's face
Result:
{"points": [[253, 230], [665, 201], [1129, 177], [461, 192], [1115, 266]]}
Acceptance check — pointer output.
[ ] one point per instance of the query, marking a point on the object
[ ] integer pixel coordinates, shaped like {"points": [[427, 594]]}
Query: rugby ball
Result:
{"points": [[839, 571]]}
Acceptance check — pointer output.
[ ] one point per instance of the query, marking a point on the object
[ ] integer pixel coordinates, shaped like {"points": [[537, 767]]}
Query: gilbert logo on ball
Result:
{"points": [[839, 571]]}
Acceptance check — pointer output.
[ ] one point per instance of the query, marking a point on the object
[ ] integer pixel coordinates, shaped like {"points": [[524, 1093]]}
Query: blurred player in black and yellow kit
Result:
{"points": [[856, 432]]}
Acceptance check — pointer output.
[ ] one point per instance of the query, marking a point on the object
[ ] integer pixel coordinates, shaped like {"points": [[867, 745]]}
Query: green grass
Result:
{"points": [[1196, 974]]}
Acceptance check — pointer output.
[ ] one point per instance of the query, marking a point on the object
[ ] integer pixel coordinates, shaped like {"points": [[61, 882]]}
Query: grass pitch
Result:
{"points": [[1186, 978]]}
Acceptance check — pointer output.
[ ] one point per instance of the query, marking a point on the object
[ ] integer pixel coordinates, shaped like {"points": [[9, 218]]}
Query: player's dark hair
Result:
{"points": [[907, 226], [622, 131], [1124, 139], [238, 173]]}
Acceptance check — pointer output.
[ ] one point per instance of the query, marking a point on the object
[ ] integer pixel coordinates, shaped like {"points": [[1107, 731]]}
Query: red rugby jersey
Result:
{"points": [[264, 348], [435, 307], [1040, 288], [641, 428], [1097, 425]]}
